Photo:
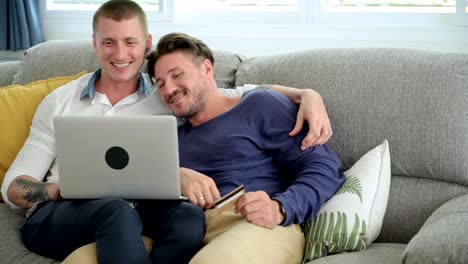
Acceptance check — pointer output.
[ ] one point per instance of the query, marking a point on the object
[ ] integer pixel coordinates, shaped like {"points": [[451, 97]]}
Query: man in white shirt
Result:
{"points": [[55, 227]]}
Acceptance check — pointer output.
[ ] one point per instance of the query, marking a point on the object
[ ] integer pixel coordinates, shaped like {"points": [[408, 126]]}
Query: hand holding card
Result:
{"points": [[229, 199]]}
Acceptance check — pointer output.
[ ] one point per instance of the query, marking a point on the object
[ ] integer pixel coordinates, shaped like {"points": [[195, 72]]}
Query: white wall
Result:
{"points": [[264, 39]]}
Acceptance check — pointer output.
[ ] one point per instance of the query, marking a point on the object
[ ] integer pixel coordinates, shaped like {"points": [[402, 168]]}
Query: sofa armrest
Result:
{"points": [[8, 70], [444, 236]]}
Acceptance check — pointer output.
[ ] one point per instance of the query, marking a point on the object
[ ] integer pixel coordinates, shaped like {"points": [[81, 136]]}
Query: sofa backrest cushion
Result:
{"points": [[18, 104], [415, 99], [56, 58], [66, 57]]}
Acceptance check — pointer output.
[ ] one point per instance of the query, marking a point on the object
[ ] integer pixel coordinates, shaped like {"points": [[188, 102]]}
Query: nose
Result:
{"points": [[169, 89], [119, 51]]}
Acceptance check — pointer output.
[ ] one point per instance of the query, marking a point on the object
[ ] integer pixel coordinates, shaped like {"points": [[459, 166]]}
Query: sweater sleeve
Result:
{"points": [[315, 174]]}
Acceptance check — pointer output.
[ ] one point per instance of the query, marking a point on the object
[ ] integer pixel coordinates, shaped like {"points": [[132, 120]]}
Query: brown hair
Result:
{"points": [[119, 10], [178, 42]]}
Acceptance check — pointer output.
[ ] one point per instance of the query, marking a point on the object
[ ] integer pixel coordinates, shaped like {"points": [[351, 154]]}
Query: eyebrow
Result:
{"points": [[106, 39], [125, 39], [171, 70]]}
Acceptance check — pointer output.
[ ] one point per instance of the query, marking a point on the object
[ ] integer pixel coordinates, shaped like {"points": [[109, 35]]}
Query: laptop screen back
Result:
{"points": [[129, 157]]}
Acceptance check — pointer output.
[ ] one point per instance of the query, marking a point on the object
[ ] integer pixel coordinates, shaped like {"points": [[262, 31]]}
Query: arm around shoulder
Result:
{"points": [[238, 91], [311, 109], [294, 94]]}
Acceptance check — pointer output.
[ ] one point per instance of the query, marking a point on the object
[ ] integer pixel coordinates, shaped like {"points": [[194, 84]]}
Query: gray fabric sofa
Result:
{"points": [[418, 100]]}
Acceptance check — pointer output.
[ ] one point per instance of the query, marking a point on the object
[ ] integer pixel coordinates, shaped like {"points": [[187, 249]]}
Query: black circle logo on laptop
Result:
{"points": [[117, 158]]}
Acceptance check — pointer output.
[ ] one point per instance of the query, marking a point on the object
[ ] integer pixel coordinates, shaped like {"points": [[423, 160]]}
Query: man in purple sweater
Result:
{"points": [[232, 141]]}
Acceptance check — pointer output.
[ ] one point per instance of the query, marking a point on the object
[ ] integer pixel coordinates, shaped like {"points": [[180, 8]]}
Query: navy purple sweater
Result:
{"points": [[250, 145]]}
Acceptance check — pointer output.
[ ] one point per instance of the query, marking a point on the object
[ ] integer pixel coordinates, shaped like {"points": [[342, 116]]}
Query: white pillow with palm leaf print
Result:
{"points": [[353, 217]]}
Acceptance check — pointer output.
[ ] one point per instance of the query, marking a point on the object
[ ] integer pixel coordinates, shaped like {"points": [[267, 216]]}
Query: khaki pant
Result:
{"points": [[231, 239], [87, 253]]}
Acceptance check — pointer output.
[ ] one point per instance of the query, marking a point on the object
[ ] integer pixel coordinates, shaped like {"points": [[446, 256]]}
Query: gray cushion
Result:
{"points": [[68, 57], [443, 237], [11, 247], [381, 253], [7, 71], [225, 68], [56, 58], [410, 202]]}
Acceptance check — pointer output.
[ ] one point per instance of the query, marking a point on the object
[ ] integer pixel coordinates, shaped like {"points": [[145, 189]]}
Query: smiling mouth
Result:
{"points": [[120, 65], [174, 98]]}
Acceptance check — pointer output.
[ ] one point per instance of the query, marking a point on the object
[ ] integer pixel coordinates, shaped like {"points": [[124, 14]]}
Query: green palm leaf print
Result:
{"points": [[327, 234], [351, 185]]}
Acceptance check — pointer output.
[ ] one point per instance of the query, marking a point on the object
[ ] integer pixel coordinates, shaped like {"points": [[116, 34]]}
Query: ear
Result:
{"points": [[208, 67], [148, 43], [94, 42]]}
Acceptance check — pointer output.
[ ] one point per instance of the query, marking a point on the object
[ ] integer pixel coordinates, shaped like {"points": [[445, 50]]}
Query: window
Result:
{"points": [[370, 12], [414, 7], [246, 6], [149, 5], [391, 6], [156, 10], [244, 26], [234, 11]]}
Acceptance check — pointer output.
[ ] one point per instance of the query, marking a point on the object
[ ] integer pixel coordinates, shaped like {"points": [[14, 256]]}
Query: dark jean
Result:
{"points": [[55, 229]]}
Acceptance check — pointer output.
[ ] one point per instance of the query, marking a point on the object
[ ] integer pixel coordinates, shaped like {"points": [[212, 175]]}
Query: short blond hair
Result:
{"points": [[119, 10]]}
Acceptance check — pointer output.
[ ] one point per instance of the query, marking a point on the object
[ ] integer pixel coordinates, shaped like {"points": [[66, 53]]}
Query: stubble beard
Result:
{"points": [[197, 106]]}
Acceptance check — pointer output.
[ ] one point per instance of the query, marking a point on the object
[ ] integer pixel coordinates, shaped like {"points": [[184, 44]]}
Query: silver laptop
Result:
{"points": [[129, 157]]}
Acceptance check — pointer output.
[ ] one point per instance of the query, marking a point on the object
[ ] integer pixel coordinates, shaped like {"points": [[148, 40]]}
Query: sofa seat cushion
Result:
{"points": [[12, 249], [382, 253]]}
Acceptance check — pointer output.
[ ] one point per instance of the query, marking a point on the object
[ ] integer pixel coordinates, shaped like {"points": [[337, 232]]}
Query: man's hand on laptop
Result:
{"points": [[200, 189]]}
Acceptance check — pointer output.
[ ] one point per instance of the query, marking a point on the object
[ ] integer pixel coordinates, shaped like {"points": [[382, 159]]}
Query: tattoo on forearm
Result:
{"points": [[36, 191]]}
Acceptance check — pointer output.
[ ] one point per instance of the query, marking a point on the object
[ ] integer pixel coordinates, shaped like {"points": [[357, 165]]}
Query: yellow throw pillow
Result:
{"points": [[17, 106]]}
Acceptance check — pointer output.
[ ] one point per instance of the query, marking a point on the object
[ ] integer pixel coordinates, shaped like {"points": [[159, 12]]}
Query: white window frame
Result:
{"points": [[368, 18], [183, 14], [310, 14], [425, 19], [285, 31], [462, 13], [165, 14]]}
